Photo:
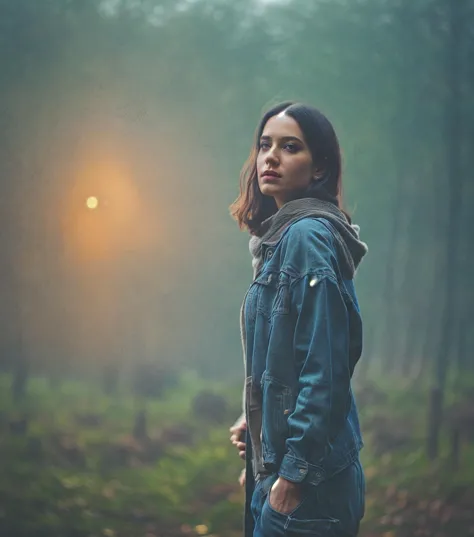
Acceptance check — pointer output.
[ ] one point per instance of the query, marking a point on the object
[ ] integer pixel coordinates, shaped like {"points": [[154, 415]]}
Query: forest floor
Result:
{"points": [[71, 467]]}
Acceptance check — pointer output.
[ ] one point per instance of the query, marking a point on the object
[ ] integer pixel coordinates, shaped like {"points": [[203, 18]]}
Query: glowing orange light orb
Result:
{"points": [[92, 202]]}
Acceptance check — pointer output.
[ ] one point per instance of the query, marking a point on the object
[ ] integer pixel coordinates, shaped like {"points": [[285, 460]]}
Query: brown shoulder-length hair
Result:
{"points": [[251, 208]]}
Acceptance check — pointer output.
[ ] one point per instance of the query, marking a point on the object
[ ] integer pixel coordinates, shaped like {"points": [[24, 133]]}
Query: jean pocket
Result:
{"points": [[316, 527], [276, 524]]}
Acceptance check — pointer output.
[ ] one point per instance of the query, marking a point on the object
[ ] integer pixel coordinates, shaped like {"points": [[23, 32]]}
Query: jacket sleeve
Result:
{"points": [[321, 353]]}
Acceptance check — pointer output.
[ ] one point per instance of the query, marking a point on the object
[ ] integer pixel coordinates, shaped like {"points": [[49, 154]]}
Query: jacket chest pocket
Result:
{"points": [[273, 294]]}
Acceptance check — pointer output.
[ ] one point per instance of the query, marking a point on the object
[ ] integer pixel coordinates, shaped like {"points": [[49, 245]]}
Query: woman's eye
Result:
{"points": [[264, 145], [292, 148]]}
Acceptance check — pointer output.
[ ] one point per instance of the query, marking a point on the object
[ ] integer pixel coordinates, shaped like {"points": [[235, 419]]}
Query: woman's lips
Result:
{"points": [[270, 176]]}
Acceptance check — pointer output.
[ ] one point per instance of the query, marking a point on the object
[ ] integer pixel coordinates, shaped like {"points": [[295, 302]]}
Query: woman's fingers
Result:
{"points": [[236, 435], [236, 438], [236, 428]]}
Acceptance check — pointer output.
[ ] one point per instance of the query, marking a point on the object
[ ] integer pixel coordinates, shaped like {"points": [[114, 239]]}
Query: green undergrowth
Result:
{"points": [[76, 469]]}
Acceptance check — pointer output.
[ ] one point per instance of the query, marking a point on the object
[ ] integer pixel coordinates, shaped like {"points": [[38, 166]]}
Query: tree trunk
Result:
{"points": [[452, 192]]}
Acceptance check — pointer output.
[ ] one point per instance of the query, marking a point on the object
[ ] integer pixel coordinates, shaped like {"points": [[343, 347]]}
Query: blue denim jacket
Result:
{"points": [[303, 338]]}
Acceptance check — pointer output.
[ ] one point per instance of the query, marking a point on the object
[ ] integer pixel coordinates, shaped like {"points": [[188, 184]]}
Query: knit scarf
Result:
{"points": [[351, 249]]}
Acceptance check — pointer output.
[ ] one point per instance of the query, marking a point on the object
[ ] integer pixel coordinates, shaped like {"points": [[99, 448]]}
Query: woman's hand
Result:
{"points": [[236, 438], [238, 430], [284, 496]]}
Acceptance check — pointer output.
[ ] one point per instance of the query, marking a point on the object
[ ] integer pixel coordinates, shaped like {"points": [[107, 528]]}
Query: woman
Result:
{"points": [[301, 333]]}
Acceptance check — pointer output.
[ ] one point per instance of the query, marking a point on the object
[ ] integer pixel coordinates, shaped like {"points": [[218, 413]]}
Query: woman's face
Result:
{"points": [[284, 162]]}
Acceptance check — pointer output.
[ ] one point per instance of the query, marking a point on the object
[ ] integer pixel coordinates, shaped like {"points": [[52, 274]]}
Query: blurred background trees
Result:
{"points": [[150, 107]]}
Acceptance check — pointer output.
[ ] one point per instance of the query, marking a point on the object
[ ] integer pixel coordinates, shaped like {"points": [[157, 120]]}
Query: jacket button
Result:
{"points": [[269, 254]]}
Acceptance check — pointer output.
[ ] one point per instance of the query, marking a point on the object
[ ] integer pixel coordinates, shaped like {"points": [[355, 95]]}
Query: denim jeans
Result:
{"points": [[333, 508]]}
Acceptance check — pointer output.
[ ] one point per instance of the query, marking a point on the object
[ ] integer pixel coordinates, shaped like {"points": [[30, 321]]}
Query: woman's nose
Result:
{"points": [[271, 157]]}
